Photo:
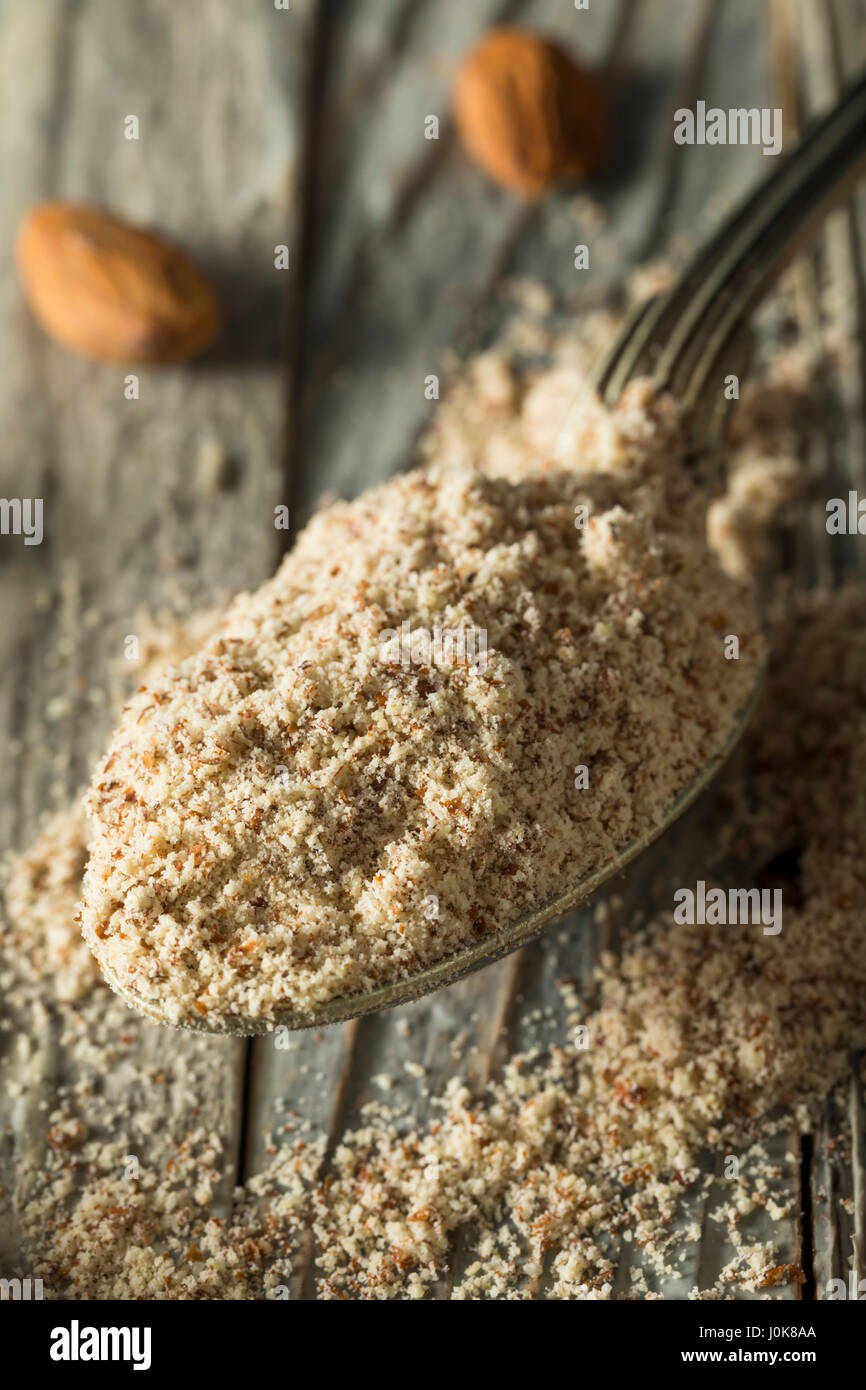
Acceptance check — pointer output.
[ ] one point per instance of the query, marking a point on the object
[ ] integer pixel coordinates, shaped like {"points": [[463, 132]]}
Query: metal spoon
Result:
{"points": [[680, 340]]}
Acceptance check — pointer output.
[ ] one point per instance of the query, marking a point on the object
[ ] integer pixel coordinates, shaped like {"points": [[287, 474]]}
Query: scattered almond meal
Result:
{"points": [[574, 1150], [694, 1046], [37, 931], [576, 1174]]}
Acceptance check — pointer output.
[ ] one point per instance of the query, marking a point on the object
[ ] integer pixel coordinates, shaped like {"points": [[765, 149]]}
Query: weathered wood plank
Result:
{"points": [[370, 309], [134, 514], [834, 35], [409, 237], [402, 246], [380, 223]]}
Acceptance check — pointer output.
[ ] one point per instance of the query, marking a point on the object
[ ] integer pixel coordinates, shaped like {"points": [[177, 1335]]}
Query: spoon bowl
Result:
{"points": [[685, 341], [462, 963]]}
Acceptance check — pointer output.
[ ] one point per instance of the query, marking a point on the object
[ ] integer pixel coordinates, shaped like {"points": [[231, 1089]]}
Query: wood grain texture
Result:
{"points": [[398, 272], [833, 33], [306, 127], [409, 238], [131, 521]]}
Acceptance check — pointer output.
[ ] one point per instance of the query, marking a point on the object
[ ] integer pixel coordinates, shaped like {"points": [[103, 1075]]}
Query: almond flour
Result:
{"points": [[704, 1039], [576, 1175], [292, 815]]}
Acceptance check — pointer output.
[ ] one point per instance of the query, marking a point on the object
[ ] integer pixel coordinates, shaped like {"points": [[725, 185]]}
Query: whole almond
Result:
{"points": [[112, 291], [527, 113]]}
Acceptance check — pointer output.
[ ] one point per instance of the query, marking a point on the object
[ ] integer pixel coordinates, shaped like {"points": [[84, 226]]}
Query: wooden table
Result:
{"points": [[261, 127]]}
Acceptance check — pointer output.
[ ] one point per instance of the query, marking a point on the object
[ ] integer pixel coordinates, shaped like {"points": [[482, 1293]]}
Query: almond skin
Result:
{"points": [[527, 113], [111, 291]]}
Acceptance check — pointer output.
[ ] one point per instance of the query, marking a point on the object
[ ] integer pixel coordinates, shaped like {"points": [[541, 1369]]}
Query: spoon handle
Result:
{"points": [[680, 337]]}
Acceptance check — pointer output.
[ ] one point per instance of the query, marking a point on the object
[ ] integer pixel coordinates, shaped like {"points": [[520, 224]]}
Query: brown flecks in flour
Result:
{"points": [[274, 814], [39, 930], [702, 1036]]}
